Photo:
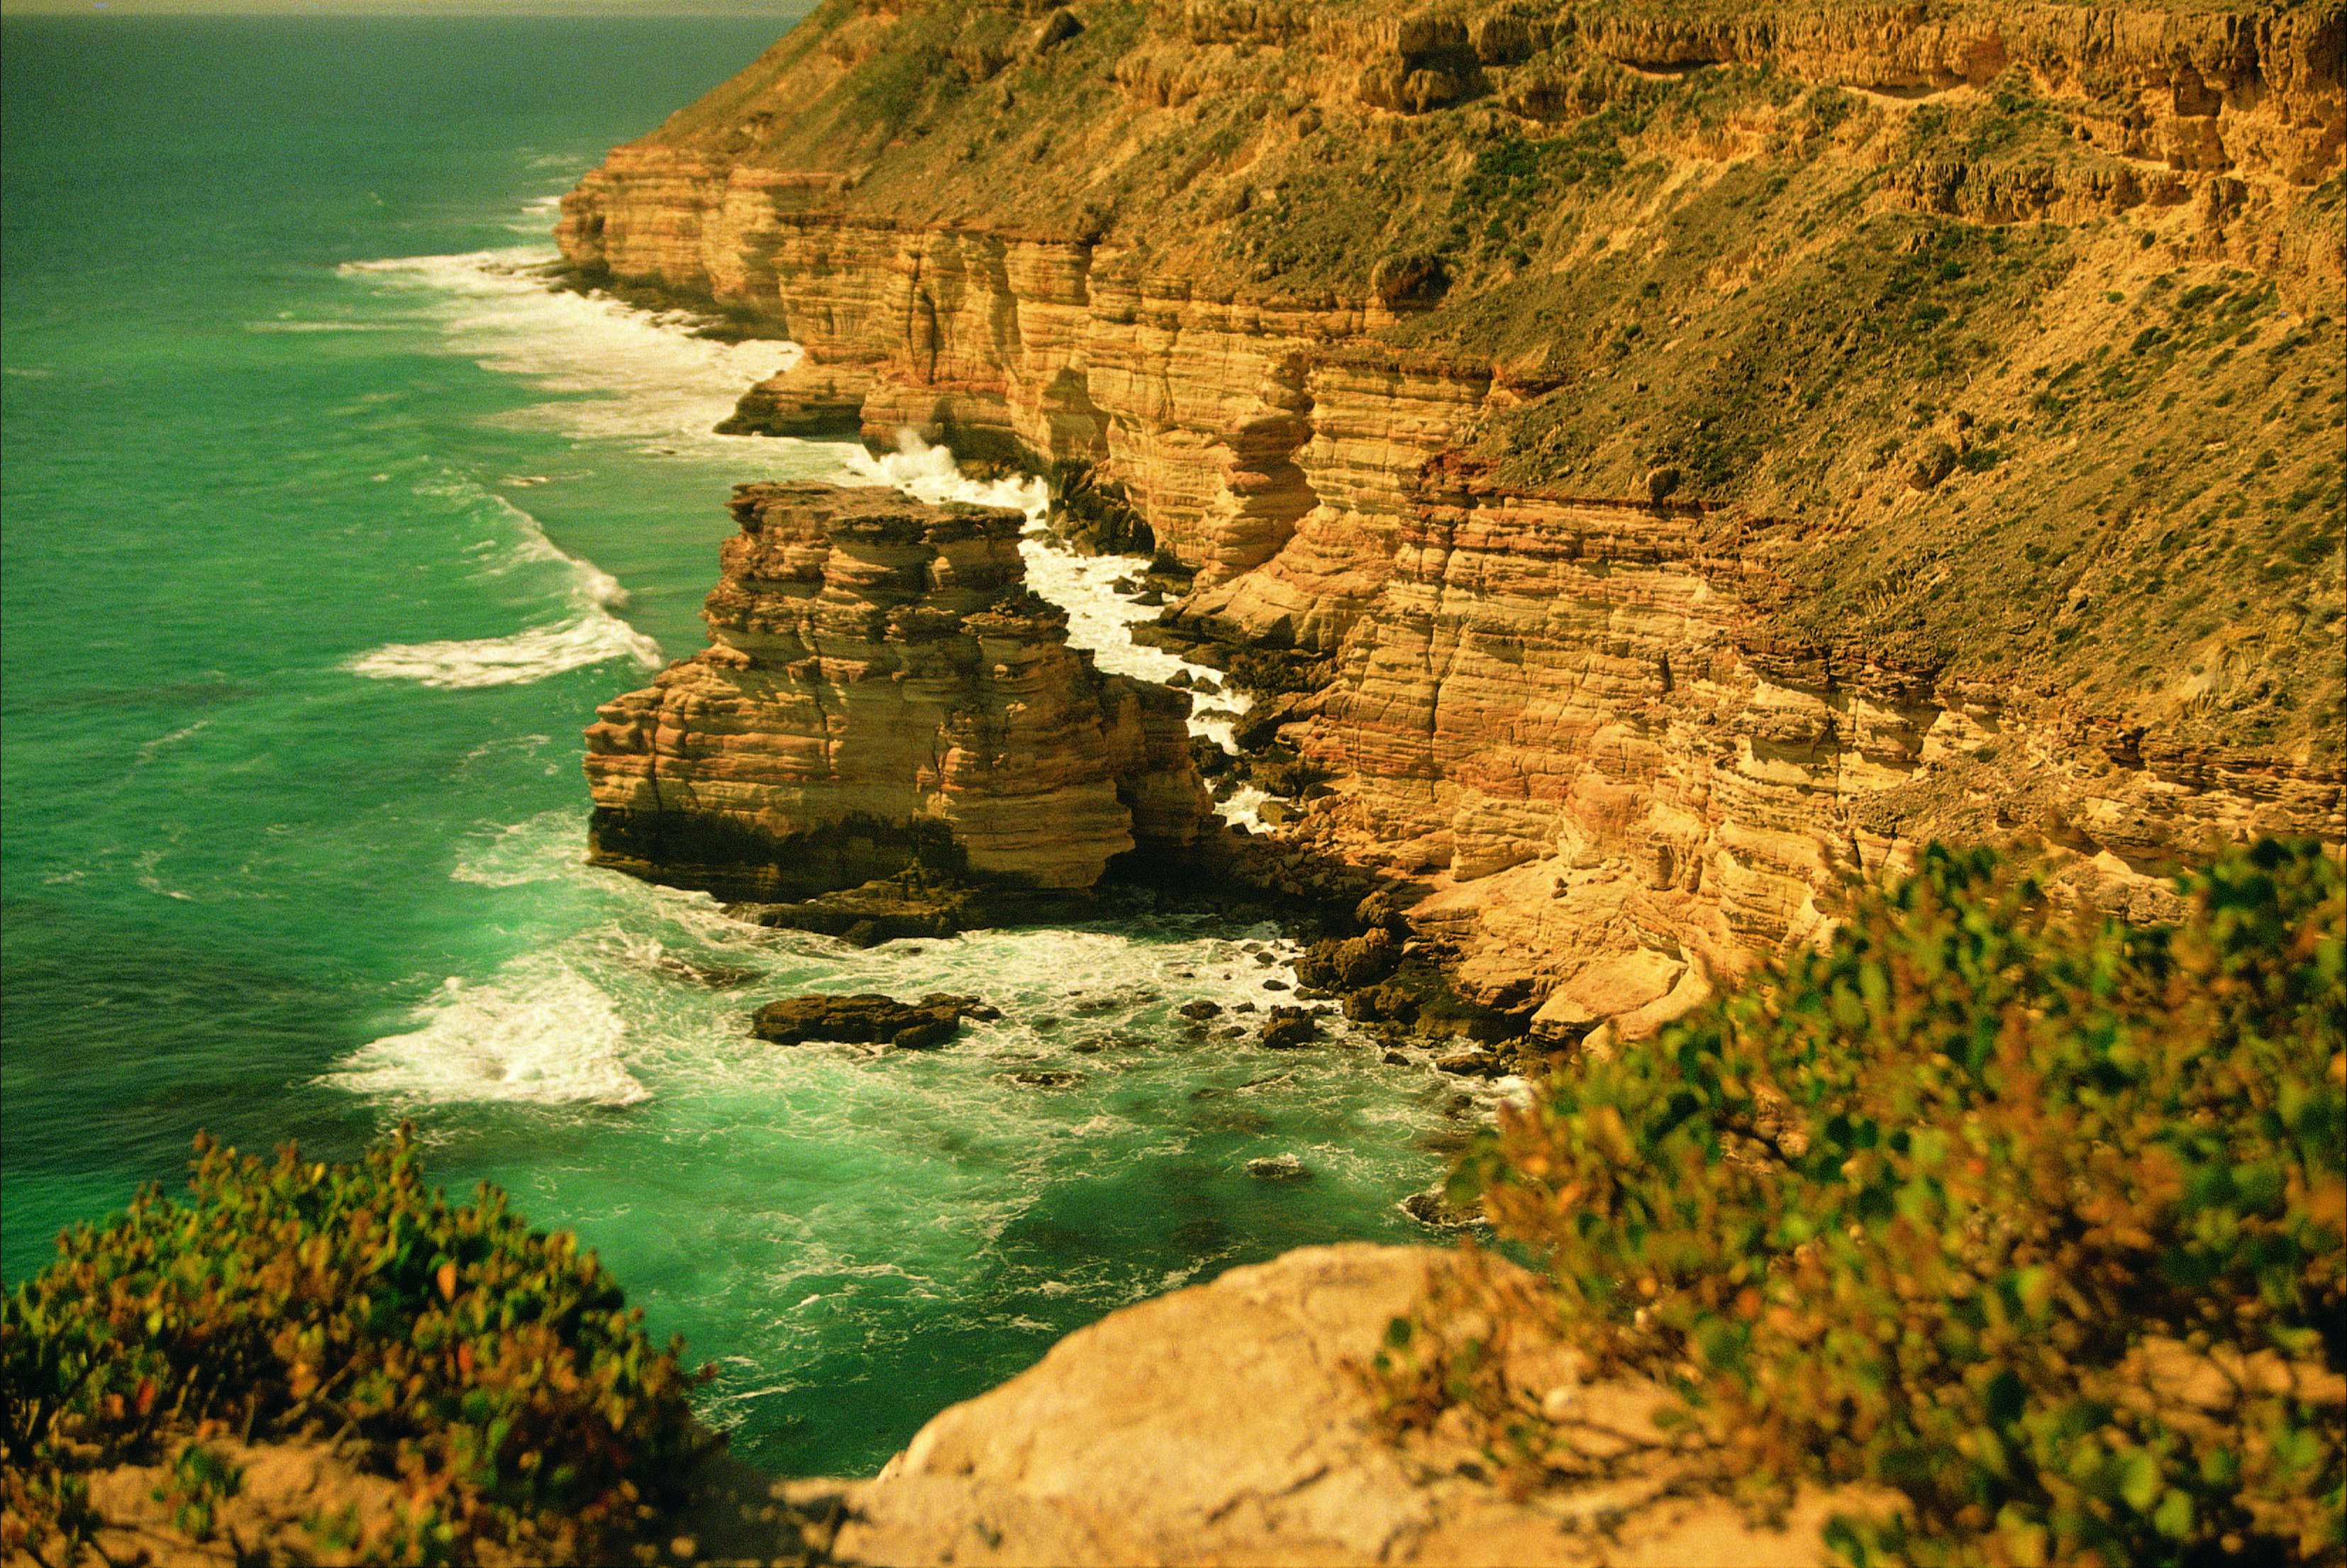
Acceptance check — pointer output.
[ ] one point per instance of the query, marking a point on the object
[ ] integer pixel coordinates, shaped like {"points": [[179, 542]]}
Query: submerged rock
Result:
{"points": [[1044, 1078], [912, 903], [716, 976], [1278, 1168], [1434, 1208], [866, 1019]]}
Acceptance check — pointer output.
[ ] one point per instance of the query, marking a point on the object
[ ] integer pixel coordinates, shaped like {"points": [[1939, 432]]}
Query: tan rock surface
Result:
{"points": [[1682, 643], [1636, 796], [1226, 1424], [881, 690]]}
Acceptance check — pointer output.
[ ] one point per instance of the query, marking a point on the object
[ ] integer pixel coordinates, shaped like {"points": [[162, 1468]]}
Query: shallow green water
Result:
{"points": [[324, 530]]}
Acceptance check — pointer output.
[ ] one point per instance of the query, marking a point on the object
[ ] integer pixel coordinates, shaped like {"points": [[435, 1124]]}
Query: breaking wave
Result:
{"points": [[590, 634], [460, 664], [619, 372], [538, 1031]]}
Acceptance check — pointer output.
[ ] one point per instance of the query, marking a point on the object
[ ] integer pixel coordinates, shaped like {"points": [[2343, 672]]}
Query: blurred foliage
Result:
{"points": [[495, 1371], [2037, 1218]]}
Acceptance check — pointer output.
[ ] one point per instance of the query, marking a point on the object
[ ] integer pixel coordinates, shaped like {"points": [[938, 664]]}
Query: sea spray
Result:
{"points": [[622, 373]]}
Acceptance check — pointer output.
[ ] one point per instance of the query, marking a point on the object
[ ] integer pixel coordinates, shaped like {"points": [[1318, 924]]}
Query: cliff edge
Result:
{"points": [[1231, 1422], [1692, 452]]}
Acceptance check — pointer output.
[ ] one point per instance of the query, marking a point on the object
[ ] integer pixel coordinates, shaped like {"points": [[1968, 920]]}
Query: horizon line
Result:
{"points": [[789, 11]]}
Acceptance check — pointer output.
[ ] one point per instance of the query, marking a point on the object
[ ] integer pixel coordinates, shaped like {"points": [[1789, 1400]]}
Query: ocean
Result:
{"points": [[324, 526]]}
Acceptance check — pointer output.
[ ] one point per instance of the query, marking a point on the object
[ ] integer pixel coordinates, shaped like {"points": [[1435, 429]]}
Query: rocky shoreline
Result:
{"points": [[890, 738], [1624, 662]]}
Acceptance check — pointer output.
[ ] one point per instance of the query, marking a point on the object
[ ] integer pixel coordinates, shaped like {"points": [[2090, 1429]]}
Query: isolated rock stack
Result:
{"points": [[882, 691]]}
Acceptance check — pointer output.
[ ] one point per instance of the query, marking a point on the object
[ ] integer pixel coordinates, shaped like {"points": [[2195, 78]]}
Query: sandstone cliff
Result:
{"points": [[1712, 447], [882, 691]]}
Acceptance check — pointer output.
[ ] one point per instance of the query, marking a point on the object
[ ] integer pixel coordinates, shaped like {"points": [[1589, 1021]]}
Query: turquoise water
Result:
{"points": [[323, 530]]}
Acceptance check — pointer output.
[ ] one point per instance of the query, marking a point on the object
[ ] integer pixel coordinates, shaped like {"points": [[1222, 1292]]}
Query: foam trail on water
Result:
{"points": [[625, 373], [539, 1032], [460, 664], [546, 848], [1099, 618], [590, 634], [538, 215]]}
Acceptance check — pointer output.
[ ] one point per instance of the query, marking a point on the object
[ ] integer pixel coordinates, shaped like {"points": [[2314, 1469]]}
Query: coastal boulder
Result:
{"points": [[1287, 1028], [867, 1019]]}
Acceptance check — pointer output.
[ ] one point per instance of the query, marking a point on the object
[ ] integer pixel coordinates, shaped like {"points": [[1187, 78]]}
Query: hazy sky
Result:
{"points": [[783, 10]]}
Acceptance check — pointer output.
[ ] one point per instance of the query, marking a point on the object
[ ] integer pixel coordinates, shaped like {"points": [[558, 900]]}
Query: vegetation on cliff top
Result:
{"points": [[2022, 387], [2037, 1218], [495, 1372]]}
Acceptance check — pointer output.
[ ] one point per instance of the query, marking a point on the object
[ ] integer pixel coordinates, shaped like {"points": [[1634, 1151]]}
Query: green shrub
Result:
{"points": [[495, 1371], [2038, 1219], [197, 1481]]}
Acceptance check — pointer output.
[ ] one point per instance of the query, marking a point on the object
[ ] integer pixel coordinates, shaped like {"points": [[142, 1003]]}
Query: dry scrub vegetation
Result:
{"points": [[2035, 1219], [487, 1384]]}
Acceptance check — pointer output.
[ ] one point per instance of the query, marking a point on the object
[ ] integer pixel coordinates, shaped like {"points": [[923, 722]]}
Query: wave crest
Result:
{"points": [[591, 634]]}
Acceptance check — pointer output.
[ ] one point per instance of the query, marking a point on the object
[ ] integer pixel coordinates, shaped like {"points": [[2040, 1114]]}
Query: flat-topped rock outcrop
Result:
{"points": [[882, 691]]}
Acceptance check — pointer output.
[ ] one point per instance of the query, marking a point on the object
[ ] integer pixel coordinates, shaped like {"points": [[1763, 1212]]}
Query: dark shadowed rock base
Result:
{"points": [[867, 1019]]}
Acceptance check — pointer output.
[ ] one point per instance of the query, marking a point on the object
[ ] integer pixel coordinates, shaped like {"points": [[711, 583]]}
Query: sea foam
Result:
{"points": [[590, 634], [620, 372], [537, 1031]]}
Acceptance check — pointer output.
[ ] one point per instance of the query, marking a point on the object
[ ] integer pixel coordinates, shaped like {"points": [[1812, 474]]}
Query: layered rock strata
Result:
{"points": [[1714, 452], [882, 691], [1559, 716], [1263, 415]]}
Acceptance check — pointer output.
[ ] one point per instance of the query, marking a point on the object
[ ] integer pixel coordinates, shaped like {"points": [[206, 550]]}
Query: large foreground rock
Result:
{"points": [[1228, 1424]]}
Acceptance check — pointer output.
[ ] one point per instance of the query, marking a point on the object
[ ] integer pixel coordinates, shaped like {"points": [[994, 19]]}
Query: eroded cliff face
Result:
{"points": [[1714, 448], [1622, 786], [882, 691]]}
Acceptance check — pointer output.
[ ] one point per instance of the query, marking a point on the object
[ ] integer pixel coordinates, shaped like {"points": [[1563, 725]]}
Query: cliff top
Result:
{"points": [[2012, 331]]}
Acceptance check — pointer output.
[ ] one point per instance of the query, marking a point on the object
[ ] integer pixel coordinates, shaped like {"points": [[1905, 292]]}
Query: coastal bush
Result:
{"points": [[495, 1371], [2037, 1219]]}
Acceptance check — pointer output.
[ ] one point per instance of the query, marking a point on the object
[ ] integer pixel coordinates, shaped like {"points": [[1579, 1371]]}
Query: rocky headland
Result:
{"points": [[1673, 459], [1232, 1422], [883, 695]]}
